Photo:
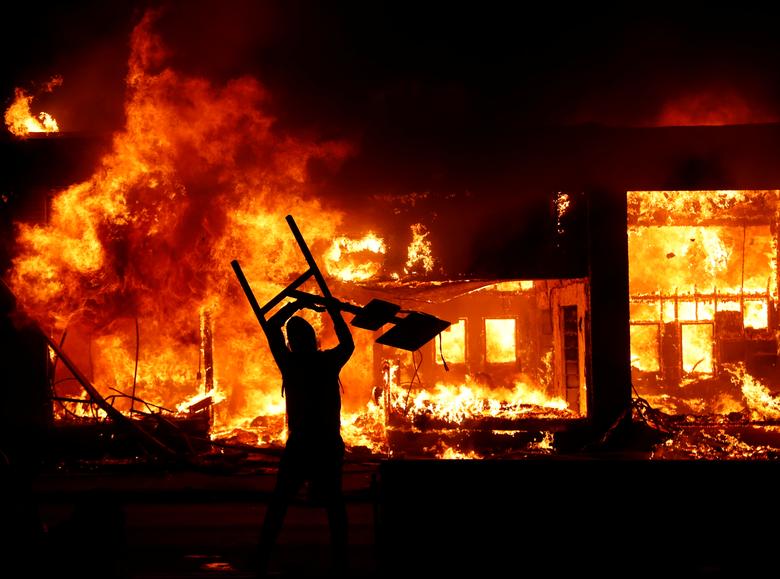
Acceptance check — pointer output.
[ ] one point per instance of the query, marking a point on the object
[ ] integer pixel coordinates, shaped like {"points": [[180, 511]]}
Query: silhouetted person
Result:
{"points": [[314, 452]]}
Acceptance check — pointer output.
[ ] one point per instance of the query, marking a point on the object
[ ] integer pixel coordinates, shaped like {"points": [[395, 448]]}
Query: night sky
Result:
{"points": [[429, 94], [410, 70]]}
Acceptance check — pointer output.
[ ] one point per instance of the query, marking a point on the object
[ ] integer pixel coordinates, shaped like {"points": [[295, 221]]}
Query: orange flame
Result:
{"points": [[355, 259], [562, 202], [196, 178], [702, 272], [20, 120], [500, 346], [450, 453], [763, 404], [455, 402], [419, 256], [453, 344], [133, 257]]}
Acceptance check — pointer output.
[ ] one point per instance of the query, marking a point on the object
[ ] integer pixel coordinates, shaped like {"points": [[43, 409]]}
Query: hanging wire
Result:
{"points": [[414, 376], [441, 353]]}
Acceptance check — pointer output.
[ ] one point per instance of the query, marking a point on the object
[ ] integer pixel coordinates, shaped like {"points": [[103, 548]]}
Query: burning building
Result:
{"points": [[594, 278], [705, 329], [127, 273], [544, 256]]}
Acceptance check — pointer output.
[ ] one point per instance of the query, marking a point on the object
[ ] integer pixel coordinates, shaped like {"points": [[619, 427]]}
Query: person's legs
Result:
{"points": [[272, 526], [328, 484], [337, 521], [287, 482]]}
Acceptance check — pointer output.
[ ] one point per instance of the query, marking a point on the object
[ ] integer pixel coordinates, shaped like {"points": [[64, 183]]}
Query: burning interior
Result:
{"points": [[703, 299], [512, 364]]}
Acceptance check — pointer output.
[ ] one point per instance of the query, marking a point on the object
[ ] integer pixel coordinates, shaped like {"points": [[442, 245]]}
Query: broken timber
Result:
{"points": [[120, 419], [101, 402]]}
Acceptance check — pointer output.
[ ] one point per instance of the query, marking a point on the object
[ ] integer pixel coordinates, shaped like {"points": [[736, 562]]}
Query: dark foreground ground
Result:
{"points": [[542, 517], [139, 521]]}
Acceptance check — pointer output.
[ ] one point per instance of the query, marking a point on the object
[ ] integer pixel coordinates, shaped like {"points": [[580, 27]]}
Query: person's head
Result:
{"points": [[301, 335]]}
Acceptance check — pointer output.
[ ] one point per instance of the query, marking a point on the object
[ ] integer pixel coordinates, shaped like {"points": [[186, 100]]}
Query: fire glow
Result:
{"points": [[713, 306], [20, 120], [419, 256], [355, 259], [456, 403], [132, 270]]}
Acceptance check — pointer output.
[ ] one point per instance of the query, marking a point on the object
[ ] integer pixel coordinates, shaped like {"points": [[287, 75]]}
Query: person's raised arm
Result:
{"points": [[346, 343], [273, 331]]}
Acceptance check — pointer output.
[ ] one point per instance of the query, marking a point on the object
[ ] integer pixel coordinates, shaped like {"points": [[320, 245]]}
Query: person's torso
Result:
{"points": [[312, 394]]}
